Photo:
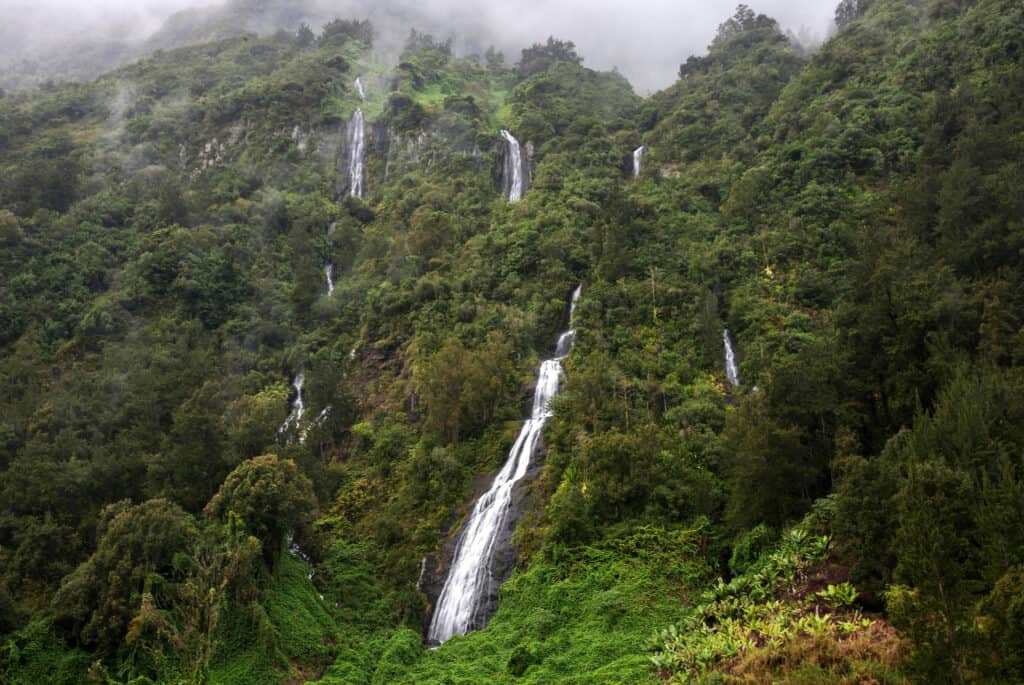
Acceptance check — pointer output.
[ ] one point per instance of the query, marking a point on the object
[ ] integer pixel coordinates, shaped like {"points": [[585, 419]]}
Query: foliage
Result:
{"points": [[134, 556], [580, 616], [35, 655], [339, 31], [538, 57], [270, 496], [756, 626]]}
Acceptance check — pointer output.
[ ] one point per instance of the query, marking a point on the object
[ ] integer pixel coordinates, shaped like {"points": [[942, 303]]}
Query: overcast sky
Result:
{"points": [[645, 39]]}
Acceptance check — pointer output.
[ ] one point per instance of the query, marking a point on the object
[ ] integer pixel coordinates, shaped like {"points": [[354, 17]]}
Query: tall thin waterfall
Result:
{"points": [[329, 275], [512, 174], [360, 89], [329, 265], [638, 157], [298, 405], [356, 153], [731, 370], [462, 604]]}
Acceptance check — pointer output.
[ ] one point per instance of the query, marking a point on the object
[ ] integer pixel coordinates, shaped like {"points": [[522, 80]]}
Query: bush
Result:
{"points": [[270, 496]]}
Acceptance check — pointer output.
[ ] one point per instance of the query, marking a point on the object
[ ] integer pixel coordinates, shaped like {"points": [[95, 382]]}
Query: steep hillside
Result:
{"points": [[269, 324]]}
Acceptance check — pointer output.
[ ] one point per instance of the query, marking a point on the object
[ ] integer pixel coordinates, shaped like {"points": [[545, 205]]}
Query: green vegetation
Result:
{"points": [[852, 512]]}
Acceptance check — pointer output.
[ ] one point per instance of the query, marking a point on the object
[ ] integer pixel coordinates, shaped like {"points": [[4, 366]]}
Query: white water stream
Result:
{"points": [[356, 153], [329, 275], [513, 167], [731, 369], [638, 158], [470, 578], [298, 405]]}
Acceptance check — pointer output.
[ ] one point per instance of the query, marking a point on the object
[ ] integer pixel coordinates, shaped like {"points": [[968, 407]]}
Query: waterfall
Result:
{"points": [[329, 275], [298, 406], [329, 265], [638, 157], [316, 423], [360, 89], [462, 604], [357, 153], [512, 173], [731, 370], [296, 551]]}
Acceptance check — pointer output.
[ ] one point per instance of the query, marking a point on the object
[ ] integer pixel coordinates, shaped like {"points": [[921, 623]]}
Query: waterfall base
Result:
{"points": [[433, 569]]}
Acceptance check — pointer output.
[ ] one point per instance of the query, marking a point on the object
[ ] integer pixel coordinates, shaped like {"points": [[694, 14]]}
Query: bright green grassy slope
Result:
{"points": [[33, 656], [587, 616], [291, 634]]}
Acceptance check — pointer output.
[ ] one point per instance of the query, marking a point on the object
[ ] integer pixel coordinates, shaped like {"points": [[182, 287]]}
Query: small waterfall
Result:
{"points": [[316, 423], [360, 89], [638, 157], [462, 604], [731, 370], [512, 173], [298, 406], [296, 551], [329, 265], [329, 275], [356, 153]]}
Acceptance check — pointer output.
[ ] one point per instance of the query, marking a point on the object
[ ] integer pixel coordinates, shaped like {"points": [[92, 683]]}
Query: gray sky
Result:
{"points": [[645, 39]]}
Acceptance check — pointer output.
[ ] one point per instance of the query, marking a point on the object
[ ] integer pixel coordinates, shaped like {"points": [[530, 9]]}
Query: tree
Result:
{"points": [[339, 31], [9, 618], [848, 10], [136, 548], [250, 422], [771, 473], [219, 570], [537, 58], [270, 496], [950, 496], [304, 37], [494, 59], [462, 388], [418, 41], [744, 20]]}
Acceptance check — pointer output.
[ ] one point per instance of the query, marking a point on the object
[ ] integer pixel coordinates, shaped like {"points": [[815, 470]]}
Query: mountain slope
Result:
{"points": [[847, 219]]}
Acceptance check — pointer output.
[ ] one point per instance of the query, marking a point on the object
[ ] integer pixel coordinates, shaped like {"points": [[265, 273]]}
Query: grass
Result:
{"points": [[290, 636], [582, 616], [34, 655]]}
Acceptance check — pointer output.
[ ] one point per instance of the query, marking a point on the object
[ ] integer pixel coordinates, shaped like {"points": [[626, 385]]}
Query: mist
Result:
{"points": [[645, 40]]}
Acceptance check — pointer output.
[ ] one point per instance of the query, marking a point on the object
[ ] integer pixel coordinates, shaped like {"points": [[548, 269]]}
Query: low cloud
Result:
{"points": [[646, 40]]}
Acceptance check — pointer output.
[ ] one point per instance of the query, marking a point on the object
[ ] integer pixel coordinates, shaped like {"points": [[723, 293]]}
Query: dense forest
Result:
{"points": [[258, 362]]}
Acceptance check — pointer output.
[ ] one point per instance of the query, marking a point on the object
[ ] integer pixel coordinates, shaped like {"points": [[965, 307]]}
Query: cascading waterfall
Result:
{"points": [[357, 153], [638, 158], [357, 146], [298, 406], [512, 174], [316, 423], [329, 265], [462, 603], [329, 275], [732, 371]]}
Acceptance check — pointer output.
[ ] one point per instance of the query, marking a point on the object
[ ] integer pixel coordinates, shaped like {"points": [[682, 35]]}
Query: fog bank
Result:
{"points": [[646, 40]]}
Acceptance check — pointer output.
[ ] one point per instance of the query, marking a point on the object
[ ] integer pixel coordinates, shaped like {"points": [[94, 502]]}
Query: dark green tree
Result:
{"points": [[271, 497], [135, 551], [538, 57]]}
